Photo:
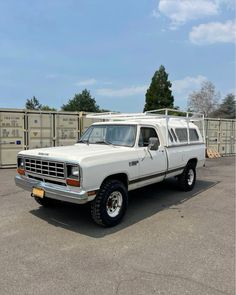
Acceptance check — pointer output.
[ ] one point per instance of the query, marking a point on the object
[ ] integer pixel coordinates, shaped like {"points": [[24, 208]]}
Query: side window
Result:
{"points": [[182, 134], [145, 134], [193, 135]]}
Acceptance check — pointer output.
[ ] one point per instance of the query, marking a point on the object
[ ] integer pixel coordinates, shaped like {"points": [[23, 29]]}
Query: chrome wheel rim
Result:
{"points": [[114, 203], [190, 176]]}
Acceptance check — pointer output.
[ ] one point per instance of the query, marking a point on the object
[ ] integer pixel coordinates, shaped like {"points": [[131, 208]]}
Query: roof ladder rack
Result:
{"points": [[152, 115]]}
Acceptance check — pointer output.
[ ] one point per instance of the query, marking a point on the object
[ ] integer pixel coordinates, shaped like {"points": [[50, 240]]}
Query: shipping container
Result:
{"points": [[39, 129], [12, 136], [67, 128], [225, 149], [24, 129]]}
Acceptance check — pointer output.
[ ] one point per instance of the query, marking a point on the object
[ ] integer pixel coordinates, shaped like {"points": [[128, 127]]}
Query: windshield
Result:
{"points": [[122, 135]]}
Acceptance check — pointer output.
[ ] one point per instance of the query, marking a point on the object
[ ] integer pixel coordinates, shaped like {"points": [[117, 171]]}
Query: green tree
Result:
{"points": [[159, 94], [33, 104], [45, 107], [226, 109], [104, 111], [81, 102]]}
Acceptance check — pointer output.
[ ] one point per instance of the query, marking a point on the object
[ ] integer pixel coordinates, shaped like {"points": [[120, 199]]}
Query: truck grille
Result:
{"points": [[45, 167]]}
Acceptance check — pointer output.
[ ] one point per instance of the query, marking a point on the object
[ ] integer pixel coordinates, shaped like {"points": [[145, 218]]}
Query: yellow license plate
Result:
{"points": [[38, 192]]}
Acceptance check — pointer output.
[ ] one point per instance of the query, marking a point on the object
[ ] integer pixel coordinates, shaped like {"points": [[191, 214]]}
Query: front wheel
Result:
{"points": [[110, 204], [187, 179]]}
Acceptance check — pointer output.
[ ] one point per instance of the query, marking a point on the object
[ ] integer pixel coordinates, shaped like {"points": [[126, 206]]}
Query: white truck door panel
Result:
{"points": [[152, 163]]}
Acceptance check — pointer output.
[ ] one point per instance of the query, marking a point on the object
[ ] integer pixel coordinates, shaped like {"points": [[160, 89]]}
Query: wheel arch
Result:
{"points": [[193, 161], [122, 177]]}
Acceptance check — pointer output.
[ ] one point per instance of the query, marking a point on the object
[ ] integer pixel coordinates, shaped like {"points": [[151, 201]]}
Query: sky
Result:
{"points": [[53, 49]]}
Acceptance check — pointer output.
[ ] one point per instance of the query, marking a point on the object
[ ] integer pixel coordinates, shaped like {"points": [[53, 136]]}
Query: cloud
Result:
{"points": [[87, 82], [183, 87], [122, 92], [180, 12], [187, 84], [213, 32]]}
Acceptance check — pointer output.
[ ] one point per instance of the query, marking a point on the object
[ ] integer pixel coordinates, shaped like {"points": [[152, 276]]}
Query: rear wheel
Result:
{"points": [[187, 179], [110, 204]]}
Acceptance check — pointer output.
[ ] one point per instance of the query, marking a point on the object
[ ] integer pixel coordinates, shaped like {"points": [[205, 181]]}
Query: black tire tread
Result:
{"points": [[96, 212], [182, 178]]}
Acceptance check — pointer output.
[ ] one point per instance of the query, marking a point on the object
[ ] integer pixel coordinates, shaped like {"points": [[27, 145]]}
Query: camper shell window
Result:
{"points": [[193, 135], [182, 134]]}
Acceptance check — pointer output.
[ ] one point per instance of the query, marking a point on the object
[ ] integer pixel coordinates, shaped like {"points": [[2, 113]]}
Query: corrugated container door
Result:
{"points": [[12, 138], [233, 138], [225, 134], [213, 134], [67, 129], [39, 130]]}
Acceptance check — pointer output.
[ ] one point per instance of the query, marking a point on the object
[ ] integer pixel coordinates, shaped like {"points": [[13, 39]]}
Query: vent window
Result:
{"points": [[170, 136], [173, 134]]}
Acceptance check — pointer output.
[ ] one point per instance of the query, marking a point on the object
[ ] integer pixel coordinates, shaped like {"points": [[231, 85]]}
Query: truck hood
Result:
{"points": [[75, 152]]}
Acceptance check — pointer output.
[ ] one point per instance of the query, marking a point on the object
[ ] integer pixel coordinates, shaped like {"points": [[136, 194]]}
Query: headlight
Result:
{"points": [[73, 175], [20, 166], [20, 163], [73, 171]]}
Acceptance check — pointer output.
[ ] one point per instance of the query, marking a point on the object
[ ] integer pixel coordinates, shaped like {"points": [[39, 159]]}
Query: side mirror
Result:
{"points": [[153, 143]]}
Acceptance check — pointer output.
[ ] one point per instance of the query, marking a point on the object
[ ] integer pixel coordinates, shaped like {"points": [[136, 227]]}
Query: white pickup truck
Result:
{"points": [[123, 153]]}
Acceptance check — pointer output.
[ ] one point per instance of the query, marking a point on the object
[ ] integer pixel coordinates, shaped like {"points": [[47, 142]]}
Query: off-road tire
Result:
{"points": [[184, 179], [99, 204]]}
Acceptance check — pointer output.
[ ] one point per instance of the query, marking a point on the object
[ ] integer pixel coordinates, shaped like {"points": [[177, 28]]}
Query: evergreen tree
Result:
{"points": [[226, 109], [33, 104], [81, 102], [159, 94], [45, 107]]}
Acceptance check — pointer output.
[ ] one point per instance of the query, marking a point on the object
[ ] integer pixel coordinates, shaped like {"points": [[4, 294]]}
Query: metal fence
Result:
{"points": [[23, 129]]}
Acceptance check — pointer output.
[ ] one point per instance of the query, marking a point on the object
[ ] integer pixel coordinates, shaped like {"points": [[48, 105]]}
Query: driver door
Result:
{"points": [[152, 163]]}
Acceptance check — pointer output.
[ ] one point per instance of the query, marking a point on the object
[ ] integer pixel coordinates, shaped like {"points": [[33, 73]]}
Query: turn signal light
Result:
{"points": [[91, 193], [72, 182], [21, 171]]}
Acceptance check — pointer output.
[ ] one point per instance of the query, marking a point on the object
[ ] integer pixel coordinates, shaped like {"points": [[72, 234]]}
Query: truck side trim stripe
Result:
{"points": [[155, 175]]}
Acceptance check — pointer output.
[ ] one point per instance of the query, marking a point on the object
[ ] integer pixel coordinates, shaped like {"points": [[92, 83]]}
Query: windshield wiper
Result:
{"points": [[83, 141], [96, 142], [103, 142]]}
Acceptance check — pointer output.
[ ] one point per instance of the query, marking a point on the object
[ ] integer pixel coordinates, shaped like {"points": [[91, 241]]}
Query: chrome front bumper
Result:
{"points": [[53, 191]]}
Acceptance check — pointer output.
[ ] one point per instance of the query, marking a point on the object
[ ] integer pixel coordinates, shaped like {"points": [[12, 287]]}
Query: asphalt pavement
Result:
{"points": [[170, 242]]}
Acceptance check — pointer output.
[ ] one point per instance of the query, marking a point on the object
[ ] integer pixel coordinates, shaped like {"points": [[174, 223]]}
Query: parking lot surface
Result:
{"points": [[170, 242]]}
